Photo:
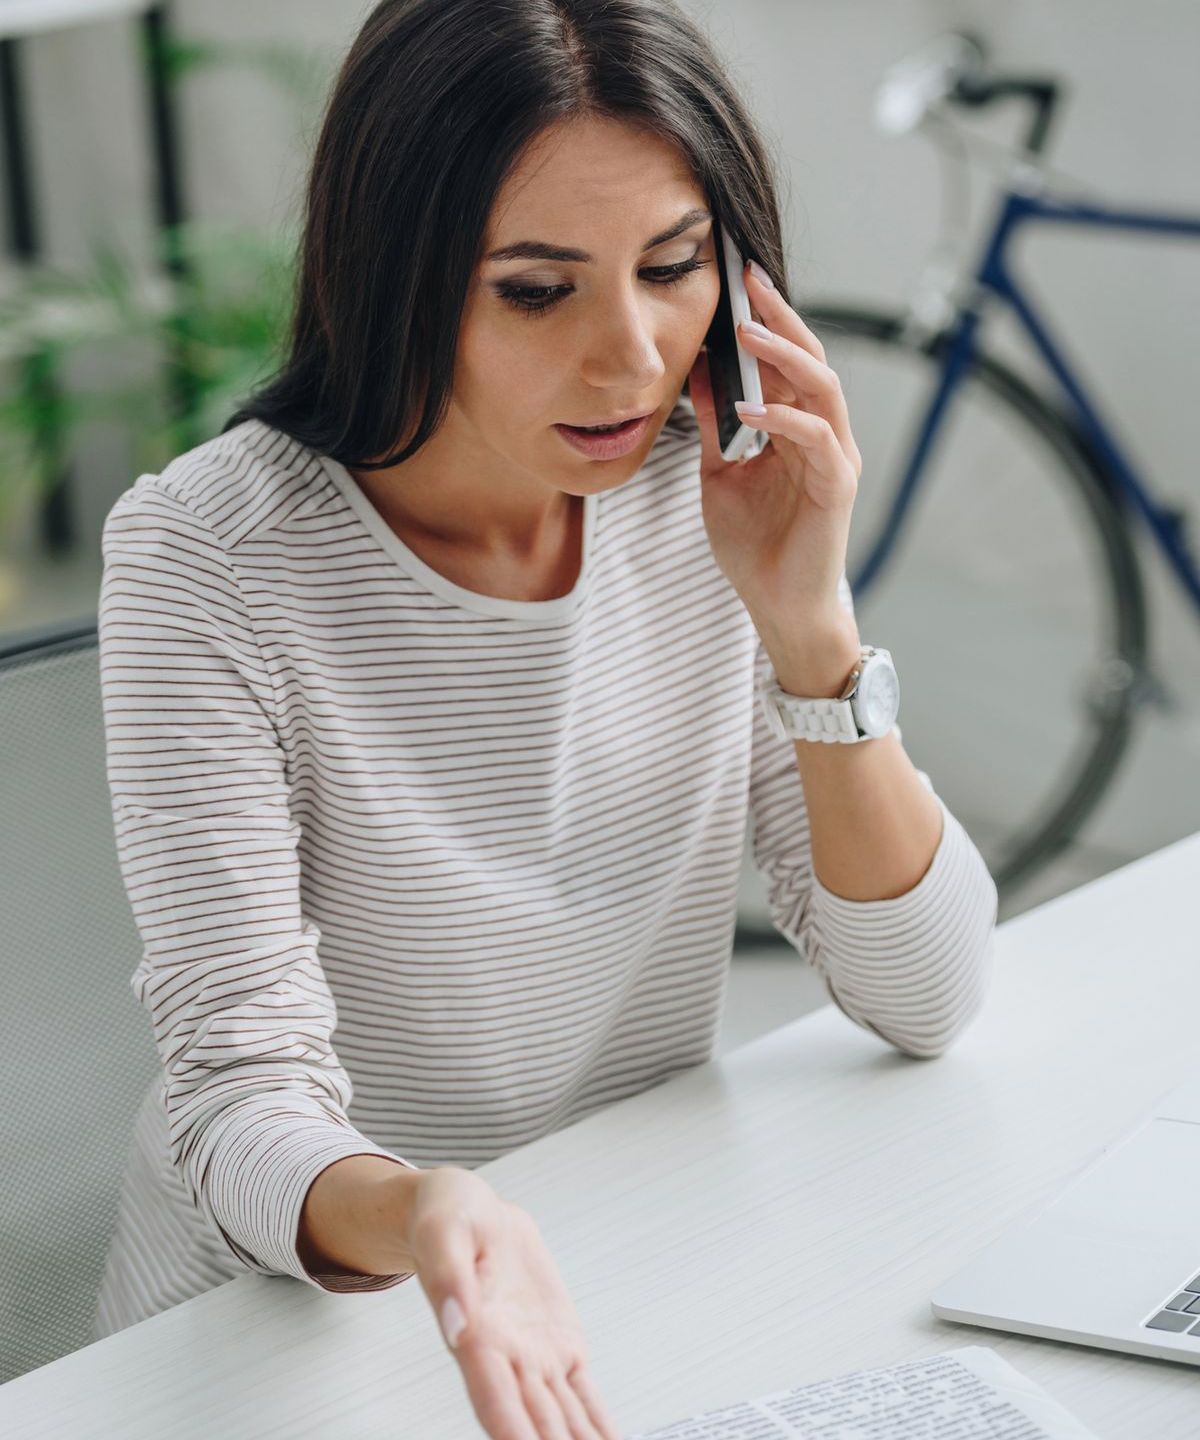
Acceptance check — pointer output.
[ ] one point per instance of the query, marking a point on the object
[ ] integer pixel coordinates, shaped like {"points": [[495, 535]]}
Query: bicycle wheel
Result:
{"points": [[1010, 595]]}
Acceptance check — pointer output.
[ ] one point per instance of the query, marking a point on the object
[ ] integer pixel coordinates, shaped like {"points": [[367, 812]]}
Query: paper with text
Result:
{"points": [[966, 1394]]}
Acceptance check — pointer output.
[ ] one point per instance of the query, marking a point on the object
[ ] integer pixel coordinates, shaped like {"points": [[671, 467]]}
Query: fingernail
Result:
{"points": [[761, 275], [454, 1322], [752, 327], [749, 407]]}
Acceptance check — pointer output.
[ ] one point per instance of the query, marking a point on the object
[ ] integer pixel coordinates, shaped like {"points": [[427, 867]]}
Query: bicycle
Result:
{"points": [[1059, 603]]}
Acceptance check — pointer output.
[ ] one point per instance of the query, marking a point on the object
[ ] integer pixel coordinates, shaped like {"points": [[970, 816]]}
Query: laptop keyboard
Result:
{"points": [[1182, 1313]]}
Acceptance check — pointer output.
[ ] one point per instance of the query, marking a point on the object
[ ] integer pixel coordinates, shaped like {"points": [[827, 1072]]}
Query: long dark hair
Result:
{"points": [[430, 110]]}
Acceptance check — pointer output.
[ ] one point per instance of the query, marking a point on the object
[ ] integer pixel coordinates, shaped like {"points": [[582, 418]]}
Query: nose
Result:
{"points": [[621, 352]]}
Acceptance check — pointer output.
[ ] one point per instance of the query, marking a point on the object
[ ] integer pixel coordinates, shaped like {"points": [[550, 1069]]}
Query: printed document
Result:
{"points": [[966, 1394]]}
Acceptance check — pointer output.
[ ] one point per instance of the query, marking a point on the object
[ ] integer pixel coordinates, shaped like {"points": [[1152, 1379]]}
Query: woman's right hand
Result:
{"points": [[515, 1334]]}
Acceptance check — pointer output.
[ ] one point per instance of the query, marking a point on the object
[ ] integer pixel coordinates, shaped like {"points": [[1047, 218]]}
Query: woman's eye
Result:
{"points": [[535, 299]]}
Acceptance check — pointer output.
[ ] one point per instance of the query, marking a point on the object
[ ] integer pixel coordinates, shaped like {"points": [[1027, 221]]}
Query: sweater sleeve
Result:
{"points": [[242, 1014], [914, 968]]}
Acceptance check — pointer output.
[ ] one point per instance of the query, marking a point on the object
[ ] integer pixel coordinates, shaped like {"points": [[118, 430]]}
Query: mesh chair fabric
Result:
{"points": [[76, 1051]]}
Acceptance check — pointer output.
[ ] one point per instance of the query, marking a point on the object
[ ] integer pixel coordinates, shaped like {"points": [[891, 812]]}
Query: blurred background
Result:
{"points": [[152, 167], [153, 164]]}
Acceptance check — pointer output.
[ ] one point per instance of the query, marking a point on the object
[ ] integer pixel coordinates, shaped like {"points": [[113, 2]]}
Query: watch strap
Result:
{"points": [[792, 718], [829, 720]]}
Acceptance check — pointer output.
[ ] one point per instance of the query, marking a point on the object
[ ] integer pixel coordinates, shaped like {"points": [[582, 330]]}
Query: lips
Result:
{"points": [[615, 420], [606, 444]]}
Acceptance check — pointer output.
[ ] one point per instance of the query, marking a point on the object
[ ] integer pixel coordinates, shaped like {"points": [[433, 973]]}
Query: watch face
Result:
{"points": [[878, 696]]}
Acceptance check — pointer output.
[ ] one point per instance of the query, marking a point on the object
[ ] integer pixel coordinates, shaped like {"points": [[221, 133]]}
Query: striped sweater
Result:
{"points": [[428, 874]]}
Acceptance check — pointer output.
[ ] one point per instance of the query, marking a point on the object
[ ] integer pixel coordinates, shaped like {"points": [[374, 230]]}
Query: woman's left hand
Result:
{"points": [[779, 523]]}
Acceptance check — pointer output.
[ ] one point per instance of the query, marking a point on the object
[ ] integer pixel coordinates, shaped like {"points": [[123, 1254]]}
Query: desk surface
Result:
{"points": [[771, 1218]]}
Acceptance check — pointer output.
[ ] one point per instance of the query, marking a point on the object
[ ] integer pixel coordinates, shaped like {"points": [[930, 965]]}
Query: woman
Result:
{"points": [[428, 724]]}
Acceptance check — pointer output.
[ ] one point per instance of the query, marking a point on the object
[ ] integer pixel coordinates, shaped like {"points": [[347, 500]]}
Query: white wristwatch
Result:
{"points": [[865, 710]]}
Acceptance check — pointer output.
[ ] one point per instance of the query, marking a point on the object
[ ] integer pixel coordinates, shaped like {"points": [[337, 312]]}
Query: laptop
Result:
{"points": [[1114, 1259]]}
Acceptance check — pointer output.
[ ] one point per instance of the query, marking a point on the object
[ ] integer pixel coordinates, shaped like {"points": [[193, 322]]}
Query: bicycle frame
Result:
{"points": [[995, 279]]}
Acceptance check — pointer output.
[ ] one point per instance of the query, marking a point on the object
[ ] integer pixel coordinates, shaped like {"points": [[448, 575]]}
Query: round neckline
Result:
{"points": [[559, 608]]}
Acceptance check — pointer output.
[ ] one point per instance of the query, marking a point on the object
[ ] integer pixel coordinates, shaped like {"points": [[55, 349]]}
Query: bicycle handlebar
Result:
{"points": [[952, 70]]}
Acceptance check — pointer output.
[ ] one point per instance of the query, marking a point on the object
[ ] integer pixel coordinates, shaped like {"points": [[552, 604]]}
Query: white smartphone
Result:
{"points": [[732, 371]]}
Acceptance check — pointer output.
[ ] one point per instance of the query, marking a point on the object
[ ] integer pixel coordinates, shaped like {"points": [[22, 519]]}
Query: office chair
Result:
{"points": [[76, 1049]]}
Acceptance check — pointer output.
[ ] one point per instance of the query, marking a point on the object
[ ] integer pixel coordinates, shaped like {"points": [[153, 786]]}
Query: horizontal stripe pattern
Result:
{"points": [[429, 874]]}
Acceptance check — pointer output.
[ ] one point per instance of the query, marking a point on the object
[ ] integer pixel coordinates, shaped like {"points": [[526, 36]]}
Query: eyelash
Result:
{"points": [[517, 295]]}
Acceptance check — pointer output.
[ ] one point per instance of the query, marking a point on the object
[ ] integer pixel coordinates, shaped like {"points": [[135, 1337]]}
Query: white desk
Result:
{"points": [[772, 1218]]}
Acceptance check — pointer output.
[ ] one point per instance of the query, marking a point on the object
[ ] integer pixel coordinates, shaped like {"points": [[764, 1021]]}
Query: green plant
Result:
{"points": [[169, 353], [222, 322]]}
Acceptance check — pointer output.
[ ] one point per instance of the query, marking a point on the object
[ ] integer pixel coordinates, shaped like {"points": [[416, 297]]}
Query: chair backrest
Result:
{"points": [[76, 1049]]}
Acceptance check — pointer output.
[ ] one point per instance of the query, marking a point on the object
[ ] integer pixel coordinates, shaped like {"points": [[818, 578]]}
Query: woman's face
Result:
{"points": [[609, 336]]}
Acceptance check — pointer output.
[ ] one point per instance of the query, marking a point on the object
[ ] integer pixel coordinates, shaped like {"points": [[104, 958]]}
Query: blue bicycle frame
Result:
{"points": [[1167, 526]]}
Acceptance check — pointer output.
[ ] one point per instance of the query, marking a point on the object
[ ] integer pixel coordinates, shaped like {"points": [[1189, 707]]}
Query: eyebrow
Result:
{"points": [[539, 250]]}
